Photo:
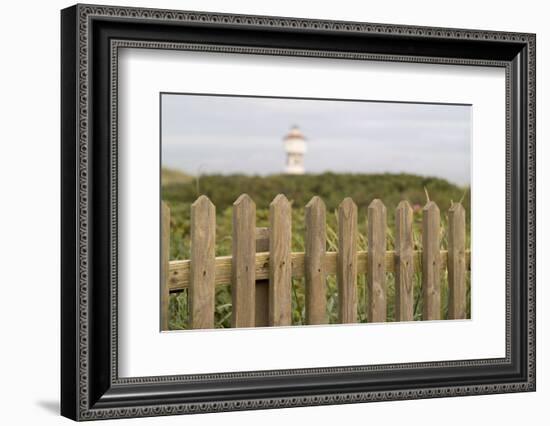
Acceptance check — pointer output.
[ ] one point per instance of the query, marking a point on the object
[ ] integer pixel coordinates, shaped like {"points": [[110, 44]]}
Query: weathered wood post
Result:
{"points": [[164, 267], [203, 264], [243, 265], [280, 265], [431, 263], [456, 262], [404, 263], [376, 262], [314, 268], [346, 262]]}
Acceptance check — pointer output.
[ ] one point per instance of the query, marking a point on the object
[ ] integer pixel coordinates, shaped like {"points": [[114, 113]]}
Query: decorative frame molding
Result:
{"points": [[91, 37]]}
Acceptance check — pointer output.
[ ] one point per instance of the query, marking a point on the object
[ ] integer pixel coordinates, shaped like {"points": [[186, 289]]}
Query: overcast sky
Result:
{"points": [[217, 134]]}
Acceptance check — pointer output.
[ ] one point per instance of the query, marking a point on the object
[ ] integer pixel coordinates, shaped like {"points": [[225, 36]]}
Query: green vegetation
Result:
{"points": [[174, 177], [181, 190]]}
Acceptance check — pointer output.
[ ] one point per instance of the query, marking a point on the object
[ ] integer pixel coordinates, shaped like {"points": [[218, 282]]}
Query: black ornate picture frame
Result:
{"points": [[90, 385]]}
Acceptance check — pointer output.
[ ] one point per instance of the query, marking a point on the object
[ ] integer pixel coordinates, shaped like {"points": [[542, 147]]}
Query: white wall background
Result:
{"points": [[29, 211]]}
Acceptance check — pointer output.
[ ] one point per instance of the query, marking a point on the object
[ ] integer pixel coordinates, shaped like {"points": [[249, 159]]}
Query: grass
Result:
{"points": [[333, 188]]}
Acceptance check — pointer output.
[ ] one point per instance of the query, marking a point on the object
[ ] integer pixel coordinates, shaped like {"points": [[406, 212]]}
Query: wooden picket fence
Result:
{"points": [[262, 264]]}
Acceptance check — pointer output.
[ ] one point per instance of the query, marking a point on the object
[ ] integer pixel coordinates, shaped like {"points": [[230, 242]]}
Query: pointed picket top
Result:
{"points": [[280, 200], [377, 220], [347, 207], [201, 210], [377, 207], [202, 202], [315, 219], [431, 207], [456, 208], [404, 206], [403, 224], [457, 213], [244, 199], [316, 202], [377, 204]]}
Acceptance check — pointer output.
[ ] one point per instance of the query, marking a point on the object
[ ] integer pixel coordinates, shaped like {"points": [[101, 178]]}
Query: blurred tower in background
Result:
{"points": [[295, 147]]}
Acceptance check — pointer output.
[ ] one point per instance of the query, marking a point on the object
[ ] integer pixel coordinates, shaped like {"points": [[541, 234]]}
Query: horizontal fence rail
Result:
{"points": [[262, 265], [178, 275]]}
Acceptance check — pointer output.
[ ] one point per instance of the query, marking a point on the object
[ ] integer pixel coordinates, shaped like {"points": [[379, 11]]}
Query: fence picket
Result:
{"points": [[203, 264], [404, 263], [315, 246], [346, 264], [456, 262], [165, 267], [431, 283], [262, 285], [376, 262], [280, 266], [243, 268]]}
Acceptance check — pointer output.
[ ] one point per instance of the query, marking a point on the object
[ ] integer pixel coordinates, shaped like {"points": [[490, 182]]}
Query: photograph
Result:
{"points": [[279, 211]]}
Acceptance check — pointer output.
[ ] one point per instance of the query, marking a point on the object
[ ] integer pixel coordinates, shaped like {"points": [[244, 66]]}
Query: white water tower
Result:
{"points": [[295, 147]]}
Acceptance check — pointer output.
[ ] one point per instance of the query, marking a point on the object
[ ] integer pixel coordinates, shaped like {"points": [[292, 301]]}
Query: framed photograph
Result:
{"points": [[263, 212]]}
